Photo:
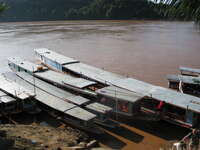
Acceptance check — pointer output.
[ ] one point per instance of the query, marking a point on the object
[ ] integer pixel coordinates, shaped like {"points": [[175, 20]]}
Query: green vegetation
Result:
{"points": [[115, 9], [30, 10], [181, 9], [2, 7]]}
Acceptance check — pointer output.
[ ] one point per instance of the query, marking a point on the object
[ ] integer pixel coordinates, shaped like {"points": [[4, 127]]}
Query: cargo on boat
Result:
{"points": [[178, 108], [185, 84]]}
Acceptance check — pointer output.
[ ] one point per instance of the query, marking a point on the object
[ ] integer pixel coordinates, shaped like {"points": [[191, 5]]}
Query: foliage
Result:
{"points": [[115, 9], [182, 9], [28, 10], [3, 7]]}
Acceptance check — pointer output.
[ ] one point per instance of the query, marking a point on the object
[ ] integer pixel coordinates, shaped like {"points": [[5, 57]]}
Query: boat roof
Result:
{"points": [[53, 90], [99, 107], [80, 113], [53, 101], [178, 99], [187, 69], [142, 88], [79, 100], [184, 101], [31, 67], [2, 94], [14, 89], [119, 93], [7, 99], [94, 73], [64, 79], [184, 79], [55, 56], [139, 87]]}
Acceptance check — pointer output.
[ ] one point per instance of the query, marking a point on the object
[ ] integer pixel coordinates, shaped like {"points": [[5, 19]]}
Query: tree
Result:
{"points": [[3, 7], [183, 9]]}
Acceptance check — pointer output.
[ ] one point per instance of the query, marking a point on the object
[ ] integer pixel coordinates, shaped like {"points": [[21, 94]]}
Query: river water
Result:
{"points": [[146, 50]]}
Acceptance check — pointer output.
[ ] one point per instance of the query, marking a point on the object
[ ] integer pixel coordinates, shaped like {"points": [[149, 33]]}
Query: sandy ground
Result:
{"points": [[38, 137]]}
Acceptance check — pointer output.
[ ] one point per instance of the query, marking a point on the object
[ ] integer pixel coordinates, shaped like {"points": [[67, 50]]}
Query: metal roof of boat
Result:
{"points": [[31, 67], [192, 70], [175, 98], [139, 87], [94, 73], [51, 89], [78, 100], [184, 79], [80, 113], [14, 89], [7, 99], [64, 79], [99, 107], [119, 93], [42, 96], [2, 94], [55, 56]]}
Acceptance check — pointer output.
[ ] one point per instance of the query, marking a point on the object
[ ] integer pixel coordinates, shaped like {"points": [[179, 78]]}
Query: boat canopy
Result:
{"points": [[139, 87], [78, 100], [187, 69], [46, 53], [7, 99], [62, 79], [120, 94], [14, 89], [52, 89], [53, 101], [99, 108], [26, 65], [4, 98], [184, 79], [93, 73], [80, 113], [178, 99]]}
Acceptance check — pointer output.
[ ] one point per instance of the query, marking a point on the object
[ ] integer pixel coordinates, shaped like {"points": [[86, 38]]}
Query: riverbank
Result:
{"points": [[40, 137]]}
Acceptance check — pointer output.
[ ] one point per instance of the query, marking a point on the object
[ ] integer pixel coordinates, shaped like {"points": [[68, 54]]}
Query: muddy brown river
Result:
{"points": [[146, 50]]}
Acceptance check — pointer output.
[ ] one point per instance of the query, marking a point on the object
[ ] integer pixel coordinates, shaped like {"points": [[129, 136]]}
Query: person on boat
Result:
{"points": [[160, 109], [193, 137]]}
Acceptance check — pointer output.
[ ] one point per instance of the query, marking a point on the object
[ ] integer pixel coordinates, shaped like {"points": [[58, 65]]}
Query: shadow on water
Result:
{"points": [[160, 129], [110, 141], [127, 134]]}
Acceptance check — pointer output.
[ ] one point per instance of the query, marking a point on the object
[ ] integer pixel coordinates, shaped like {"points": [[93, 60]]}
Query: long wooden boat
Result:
{"points": [[100, 110], [175, 107], [15, 98], [75, 115]]}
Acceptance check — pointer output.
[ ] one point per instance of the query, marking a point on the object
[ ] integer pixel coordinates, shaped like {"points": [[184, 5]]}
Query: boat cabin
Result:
{"points": [[19, 65], [174, 107], [185, 84]]}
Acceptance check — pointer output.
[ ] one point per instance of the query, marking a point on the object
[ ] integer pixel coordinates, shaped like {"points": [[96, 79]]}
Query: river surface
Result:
{"points": [[146, 50]]}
